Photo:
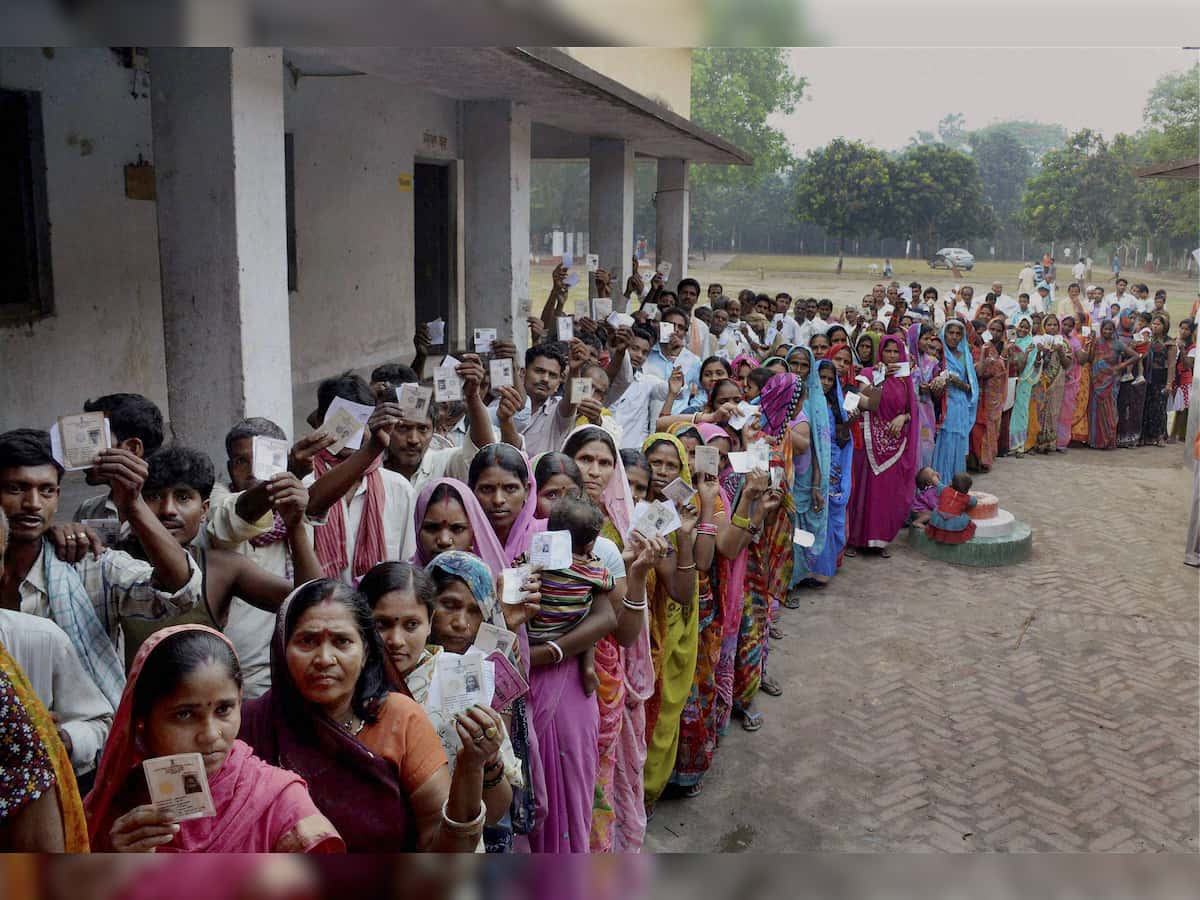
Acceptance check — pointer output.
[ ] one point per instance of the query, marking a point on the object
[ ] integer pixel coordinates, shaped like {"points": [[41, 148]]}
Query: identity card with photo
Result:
{"points": [[81, 436], [708, 460], [566, 328], [581, 389], [679, 491], [602, 308], [447, 386], [501, 372], [551, 550], [270, 457], [179, 786], [345, 420], [413, 400], [484, 338]]}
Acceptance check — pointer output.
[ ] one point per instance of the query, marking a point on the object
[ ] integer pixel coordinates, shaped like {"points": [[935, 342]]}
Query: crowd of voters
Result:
{"points": [[300, 632]]}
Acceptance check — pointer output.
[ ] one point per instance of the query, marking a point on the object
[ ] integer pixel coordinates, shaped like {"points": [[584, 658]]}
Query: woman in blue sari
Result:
{"points": [[1030, 373], [961, 403], [841, 464]]}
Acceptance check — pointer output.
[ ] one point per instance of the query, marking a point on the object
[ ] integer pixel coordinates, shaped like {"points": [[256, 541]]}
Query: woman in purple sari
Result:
{"points": [[925, 367], [884, 473]]}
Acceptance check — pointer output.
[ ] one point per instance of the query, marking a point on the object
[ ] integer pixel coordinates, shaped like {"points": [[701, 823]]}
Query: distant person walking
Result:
{"points": [[1079, 270], [1026, 279], [1116, 267], [887, 268]]}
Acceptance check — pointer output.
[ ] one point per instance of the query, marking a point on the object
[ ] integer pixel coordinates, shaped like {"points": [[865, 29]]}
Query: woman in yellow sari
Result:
{"points": [[40, 807], [674, 631]]}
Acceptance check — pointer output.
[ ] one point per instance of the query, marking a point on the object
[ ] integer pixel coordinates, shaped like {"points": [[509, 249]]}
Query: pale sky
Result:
{"points": [[883, 96]]}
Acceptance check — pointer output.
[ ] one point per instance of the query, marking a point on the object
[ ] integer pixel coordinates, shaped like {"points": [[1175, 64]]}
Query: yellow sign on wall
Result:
{"points": [[405, 180]]}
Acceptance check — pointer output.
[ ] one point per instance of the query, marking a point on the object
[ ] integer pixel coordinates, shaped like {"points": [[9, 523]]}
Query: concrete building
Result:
{"points": [[221, 228]]}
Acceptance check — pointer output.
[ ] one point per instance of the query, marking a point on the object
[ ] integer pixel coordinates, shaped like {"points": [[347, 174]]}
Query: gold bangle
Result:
{"points": [[740, 522]]}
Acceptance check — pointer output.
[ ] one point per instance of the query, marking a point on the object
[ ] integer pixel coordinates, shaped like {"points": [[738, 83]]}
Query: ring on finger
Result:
{"points": [[491, 733], [70, 537], [479, 738]]}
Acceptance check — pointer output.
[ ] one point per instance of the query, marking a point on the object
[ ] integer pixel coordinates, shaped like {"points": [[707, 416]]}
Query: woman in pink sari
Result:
{"points": [[259, 808], [926, 368], [622, 659], [884, 474], [448, 517]]}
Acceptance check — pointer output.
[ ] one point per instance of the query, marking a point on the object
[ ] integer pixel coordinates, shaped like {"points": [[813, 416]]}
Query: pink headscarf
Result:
{"points": [[617, 498], [487, 545], [526, 524], [256, 803]]}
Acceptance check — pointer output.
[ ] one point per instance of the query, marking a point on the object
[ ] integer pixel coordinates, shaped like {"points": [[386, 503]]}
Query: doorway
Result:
{"points": [[432, 260]]}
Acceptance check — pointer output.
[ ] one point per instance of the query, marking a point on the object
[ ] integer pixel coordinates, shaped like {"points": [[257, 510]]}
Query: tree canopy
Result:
{"points": [[845, 187]]}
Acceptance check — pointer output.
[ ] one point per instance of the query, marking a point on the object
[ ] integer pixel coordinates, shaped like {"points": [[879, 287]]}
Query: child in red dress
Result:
{"points": [[949, 523]]}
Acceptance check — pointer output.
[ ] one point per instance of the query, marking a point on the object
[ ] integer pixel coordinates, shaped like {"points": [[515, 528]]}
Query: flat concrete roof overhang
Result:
{"points": [[569, 103], [1188, 169]]}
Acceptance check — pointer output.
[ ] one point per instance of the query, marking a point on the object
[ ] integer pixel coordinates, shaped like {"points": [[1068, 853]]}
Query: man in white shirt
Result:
{"points": [[1043, 300], [1121, 296], [536, 419], [635, 396], [44, 653], [240, 519], [1079, 270], [346, 478], [731, 343], [699, 340], [1026, 279], [788, 330]]}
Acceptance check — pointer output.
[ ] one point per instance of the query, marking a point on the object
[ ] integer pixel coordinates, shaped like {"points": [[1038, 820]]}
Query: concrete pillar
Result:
{"points": [[610, 211], [496, 217], [671, 216], [217, 116]]}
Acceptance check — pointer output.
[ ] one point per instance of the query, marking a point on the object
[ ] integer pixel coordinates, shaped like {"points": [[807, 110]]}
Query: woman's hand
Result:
{"points": [[896, 426], [818, 501], [517, 614], [481, 731], [689, 517], [709, 488], [757, 482], [142, 830], [647, 552], [772, 500]]}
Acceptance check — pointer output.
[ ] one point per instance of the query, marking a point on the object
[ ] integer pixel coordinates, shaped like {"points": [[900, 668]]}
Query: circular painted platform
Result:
{"points": [[999, 525], [1005, 550], [986, 506]]}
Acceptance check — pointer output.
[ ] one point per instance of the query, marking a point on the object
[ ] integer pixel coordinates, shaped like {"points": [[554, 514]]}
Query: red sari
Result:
{"points": [[992, 372]]}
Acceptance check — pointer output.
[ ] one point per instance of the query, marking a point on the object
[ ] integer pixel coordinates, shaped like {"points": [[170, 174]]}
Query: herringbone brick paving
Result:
{"points": [[916, 716]]}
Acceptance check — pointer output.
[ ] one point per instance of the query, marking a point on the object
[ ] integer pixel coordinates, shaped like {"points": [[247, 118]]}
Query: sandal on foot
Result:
{"points": [[849, 551], [693, 790], [885, 553], [751, 721], [792, 600], [776, 633], [770, 688]]}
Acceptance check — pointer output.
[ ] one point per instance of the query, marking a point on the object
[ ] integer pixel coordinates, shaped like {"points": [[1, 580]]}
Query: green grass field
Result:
{"points": [[814, 276]]}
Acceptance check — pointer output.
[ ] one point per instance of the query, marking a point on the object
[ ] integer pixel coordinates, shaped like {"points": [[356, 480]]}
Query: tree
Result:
{"points": [[1083, 192], [734, 91], [1004, 166], [1038, 138], [845, 188], [938, 194], [558, 197]]}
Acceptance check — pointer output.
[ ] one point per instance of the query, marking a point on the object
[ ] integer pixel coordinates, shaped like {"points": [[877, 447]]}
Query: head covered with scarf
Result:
{"points": [[486, 544]]}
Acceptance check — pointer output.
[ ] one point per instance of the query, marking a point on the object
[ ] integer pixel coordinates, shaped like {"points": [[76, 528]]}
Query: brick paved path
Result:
{"points": [[915, 716]]}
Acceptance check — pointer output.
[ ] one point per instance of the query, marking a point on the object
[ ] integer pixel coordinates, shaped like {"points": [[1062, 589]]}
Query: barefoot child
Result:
{"points": [[568, 594]]}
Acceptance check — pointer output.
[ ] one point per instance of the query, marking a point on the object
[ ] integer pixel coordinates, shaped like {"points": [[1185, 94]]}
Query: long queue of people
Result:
{"points": [[707, 463]]}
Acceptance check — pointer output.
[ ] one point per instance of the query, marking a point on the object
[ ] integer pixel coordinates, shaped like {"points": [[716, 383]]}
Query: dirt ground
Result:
{"points": [[1049, 706]]}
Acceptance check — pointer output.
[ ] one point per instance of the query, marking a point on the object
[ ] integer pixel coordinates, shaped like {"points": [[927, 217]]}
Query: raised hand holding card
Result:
{"points": [[566, 328], [581, 389], [79, 438], [708, 460], [447, 386], [679, 491], [269, 457], [484, 338], [501, 372], [345, 420], [413, 400]]}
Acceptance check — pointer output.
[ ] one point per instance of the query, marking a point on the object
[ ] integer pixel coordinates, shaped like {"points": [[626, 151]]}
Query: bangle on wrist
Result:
{"points": [[707, 528], [740, 521], [686, 568], [636, 607], [493, 782], [559, 656], [474, 827]]}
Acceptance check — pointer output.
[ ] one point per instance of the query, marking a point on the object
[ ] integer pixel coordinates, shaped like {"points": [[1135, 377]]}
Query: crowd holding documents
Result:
{"points": [[503, 602]]}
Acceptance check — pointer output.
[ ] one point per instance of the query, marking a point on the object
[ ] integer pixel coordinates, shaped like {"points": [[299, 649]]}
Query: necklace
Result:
{"points": [[350, 726]]}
